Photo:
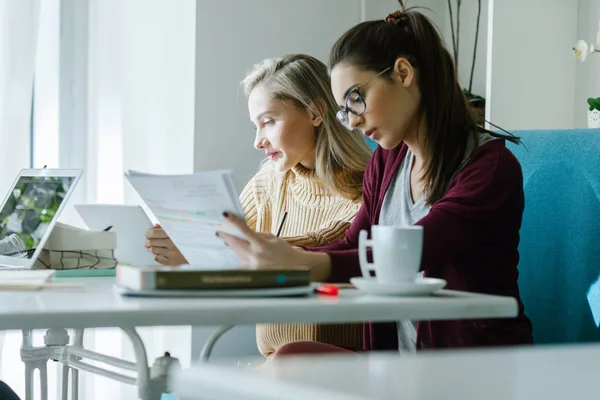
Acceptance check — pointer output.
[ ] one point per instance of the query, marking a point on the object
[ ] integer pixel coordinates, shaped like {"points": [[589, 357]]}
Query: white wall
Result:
{"points": [[468, 24], [379, 9], [588, 73], [531, 71], [231, 37], [158, 62], [157, 86], [437, 11]]}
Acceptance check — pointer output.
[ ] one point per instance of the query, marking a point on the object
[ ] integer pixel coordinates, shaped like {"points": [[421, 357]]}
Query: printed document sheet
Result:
{"points": [[190, 210]]}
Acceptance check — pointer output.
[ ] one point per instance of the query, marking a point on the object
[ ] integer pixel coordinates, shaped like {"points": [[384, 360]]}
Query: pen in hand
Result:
{"points": [[281, 223]]}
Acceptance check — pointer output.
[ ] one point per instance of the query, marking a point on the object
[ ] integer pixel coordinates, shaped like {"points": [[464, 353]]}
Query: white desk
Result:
{"points": [[528, 373], [98, 305]]}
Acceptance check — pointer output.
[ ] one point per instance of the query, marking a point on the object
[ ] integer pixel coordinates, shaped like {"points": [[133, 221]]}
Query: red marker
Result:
{"points": [[328, 290]]}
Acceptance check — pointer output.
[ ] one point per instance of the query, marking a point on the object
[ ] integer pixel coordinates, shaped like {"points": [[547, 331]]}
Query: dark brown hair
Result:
{"points": [[451, 121]]}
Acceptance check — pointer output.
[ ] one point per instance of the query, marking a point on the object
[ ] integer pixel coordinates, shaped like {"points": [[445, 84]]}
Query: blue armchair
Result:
{"points": [[560, 235]]}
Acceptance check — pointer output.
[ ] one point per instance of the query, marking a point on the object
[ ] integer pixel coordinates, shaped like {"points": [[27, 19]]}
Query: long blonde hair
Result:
{"points": [[341, 155]]}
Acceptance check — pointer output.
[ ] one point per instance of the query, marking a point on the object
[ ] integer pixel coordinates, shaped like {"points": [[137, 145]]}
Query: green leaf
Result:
{"points": [[594, 103]]}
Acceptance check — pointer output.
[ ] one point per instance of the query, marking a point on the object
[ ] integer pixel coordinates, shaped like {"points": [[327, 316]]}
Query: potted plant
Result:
{"points": [[582, 50], [476, 101], [594, 112]]}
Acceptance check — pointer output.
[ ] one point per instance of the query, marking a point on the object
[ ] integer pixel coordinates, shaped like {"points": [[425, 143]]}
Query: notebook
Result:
{"points": [[197, 278], [187, 281], [24, 280]]}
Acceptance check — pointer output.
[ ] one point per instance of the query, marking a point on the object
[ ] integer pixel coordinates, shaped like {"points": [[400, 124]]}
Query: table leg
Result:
{"points": [[64, 383], [210, 343], [77, 342], [44, 380], [55, 339], [75, 384], [152, 383], [29, 371], [30, 368], [147, 388], [26, 344], [33, 359], [2, 334]]}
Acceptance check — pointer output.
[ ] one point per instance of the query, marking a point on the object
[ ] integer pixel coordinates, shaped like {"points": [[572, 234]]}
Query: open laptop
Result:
{"points": [[130, 222], [29, 212]]}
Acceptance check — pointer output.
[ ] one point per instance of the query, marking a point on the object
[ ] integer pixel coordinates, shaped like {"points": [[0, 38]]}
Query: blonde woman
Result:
{"points": [[313, 171]]}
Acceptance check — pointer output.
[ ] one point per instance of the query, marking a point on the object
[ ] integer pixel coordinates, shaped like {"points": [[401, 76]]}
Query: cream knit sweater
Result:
{"points": [[314, 217]]}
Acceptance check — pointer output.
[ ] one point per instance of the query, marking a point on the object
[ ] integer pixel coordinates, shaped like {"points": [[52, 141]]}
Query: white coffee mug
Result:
{"points": [[396, 250]]}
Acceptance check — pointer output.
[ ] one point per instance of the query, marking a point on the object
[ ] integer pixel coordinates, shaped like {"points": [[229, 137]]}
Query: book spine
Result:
{"points": [[226, 280]]}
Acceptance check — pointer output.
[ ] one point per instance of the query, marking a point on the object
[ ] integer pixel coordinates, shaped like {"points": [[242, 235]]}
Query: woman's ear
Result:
{"points": [[404, 72], [317, 118]]}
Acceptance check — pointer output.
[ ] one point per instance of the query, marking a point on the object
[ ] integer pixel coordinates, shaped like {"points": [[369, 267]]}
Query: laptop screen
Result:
{"points": [[28, 213]]}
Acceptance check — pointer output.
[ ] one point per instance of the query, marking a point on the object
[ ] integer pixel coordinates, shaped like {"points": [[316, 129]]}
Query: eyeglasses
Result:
{"points": [[355, 102]]}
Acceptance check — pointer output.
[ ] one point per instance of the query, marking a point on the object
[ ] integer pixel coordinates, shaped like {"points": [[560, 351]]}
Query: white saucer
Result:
{"points": [[420, 287]]}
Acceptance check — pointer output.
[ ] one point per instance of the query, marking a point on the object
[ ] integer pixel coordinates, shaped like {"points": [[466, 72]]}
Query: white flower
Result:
{"points": [[582, 49]]}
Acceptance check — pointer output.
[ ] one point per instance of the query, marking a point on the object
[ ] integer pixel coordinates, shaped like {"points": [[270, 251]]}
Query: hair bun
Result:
{"points": [[395, 17]]}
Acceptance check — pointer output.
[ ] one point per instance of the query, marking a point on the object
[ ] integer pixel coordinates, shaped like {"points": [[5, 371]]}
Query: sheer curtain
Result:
{"points": [[140, 115], [18, 36], [114, 89]]}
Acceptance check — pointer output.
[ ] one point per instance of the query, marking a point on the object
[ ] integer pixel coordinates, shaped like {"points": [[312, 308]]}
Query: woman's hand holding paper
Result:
{"points": [[162, 247], [262, 251]]}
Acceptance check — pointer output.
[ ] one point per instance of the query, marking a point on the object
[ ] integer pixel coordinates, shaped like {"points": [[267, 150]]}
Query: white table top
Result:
{"points": [[98, 305], [528, 373]]}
